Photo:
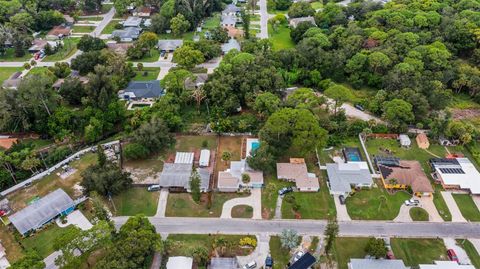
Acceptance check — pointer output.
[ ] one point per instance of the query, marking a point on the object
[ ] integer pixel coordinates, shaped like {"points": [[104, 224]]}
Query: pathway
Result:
{"points": [[162, 203], [453, 207], [476, 200], [263, 20], [429, 206], [404, 214], [431, 153], [50, 260], [278, 207], [259, 254], [462, 256], [163, 72], [254, 200], [342, 213]]}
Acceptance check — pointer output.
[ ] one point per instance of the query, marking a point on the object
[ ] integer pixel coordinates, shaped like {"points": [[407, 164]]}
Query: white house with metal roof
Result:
{"points": [[456, 173], [376, 264], [342, 177], [204, 158], [404, 140]]}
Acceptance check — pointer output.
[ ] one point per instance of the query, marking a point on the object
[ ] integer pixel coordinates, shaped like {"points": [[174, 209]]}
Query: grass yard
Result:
{"points": [[471, 251], [136, 200], [185, 36], [281, 37], [192, 143], [212, 22], [232, 144], [270, 194], [9, 56], [182, 205], [6, 72], [440, 203], [182, 243], [375, 204], [242, 211], [68, 49], [42, 241], [418, 214], [110, 27], [96, 18], [152, 73], [13, 248], [467, 206], [348, 247], [106, 7], [280, 255], [150, 57], [416, 251], [82, 29], [316, 5]]}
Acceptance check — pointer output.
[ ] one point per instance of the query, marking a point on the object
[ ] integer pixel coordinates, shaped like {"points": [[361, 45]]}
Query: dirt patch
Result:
{"points": [[469, 113]]}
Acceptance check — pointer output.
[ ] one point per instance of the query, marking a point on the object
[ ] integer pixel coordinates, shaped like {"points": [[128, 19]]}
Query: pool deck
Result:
{"points": [[250, 145]]}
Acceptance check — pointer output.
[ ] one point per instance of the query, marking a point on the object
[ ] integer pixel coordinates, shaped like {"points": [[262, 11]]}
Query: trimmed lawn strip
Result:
{"points": [[182, 243], [42, 241], [152, 74], [471, 251], [82, 29], [467, 206], [415, 251], [68, 49], [136, 200], [242, 211], [9, 56], [7, 72], [281, 38], [270, 194], [440, 203], [346, 248], [182, 204], [110, 27], [280, 255], [418, 214]]}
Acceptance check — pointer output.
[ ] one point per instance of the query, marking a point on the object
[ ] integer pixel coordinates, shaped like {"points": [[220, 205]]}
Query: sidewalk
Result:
{"points": [[452, 206]]}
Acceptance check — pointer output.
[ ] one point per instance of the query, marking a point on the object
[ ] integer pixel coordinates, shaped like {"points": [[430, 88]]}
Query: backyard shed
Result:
{"points": [[223, 263], [422, 141], [184, 157], [204, 158], [180, 262], [404, 140], [42, 211]]}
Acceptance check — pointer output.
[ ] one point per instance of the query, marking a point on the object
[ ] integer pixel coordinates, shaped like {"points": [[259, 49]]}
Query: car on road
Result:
{"points": [[269, 262], [285, 190], [359, 107], [250, 265], [452, 255], [153, 187], [298, 255], [342, 199], [28, 184]]}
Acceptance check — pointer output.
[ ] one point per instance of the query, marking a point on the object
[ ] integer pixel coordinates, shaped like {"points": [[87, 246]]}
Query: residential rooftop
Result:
{"points": [[408, 173], [376, 264], [459, 172], [342, 176]]}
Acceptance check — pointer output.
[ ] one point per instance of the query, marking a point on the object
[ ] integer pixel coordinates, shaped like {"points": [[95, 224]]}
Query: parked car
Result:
{"points": [[153, 188], [285, 190], [162, 53], [452, 255], [250, 265], [342, 199], [2, 213], [409, 203], [414, 201], [298, 255], [359, 107], [269, 262], [28, 184]]}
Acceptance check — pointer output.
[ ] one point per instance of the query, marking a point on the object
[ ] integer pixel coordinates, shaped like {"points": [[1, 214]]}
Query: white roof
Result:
{"points": [[376, 264], [184, 157], [204, 157], [469, 179], [404, 140], [179, 262], [445, 265], [132, 22]]}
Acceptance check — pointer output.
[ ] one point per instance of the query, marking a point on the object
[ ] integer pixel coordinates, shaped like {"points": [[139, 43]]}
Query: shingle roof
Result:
{"points": [[169, 44], [409, 173], [229, 20], [132, 22], [376, 264], [128, 32], [230, 45], [231, 8], [304, 262], [145, 89], [42, 211], [342, 175]]}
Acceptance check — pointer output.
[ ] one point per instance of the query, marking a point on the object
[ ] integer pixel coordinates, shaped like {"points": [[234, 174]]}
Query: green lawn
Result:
{"points": [[182, 243], [270, 194], [150, 57], [466, 205], [6, 72], [242, 211], [368, 205], [42, 241], [106, 7], [191, 143], [281, 37], [82, 29], [9, 56], [152, 73], [440, 204], [136, 200], [182, 205], [185, 36], [110, 27], [280, 255], [68, 49], [212, 22], [418, 214], [316, 5], [96, 18], [346, 248], [416, 251], [471, 251]]}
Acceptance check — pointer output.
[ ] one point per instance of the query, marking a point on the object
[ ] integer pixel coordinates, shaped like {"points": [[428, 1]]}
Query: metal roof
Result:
{"points": [[42, 211], [176, 175], [304, 262], [180, 262], [223, 263], [204, 157], [342, 175], [184, 157], [376, 264]]}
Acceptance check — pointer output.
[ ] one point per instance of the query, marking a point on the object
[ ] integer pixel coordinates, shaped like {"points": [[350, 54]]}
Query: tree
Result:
{"points": [[331, 232], [87, 61], [148, 40], [304, 98], [226, 156], [60, 69], [30, 261], [199, 254], [282, 4], [398, 113], [72, 91], [188, 57], [209, 48], [99, 210], [339, 94], [134, 151], [376, 247], [153, 135], [300, 9], [297, 33], [219, 35], [195, 182], [267, 103], [246, 23], [289, 239], [179, 25], [90, 43], [174, 81], [245, 178]]}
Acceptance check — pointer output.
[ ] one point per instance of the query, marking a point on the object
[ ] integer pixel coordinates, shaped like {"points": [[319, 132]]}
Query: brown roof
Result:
{"points": [[234, 32], [60, 30], [307, 182], [226, 180], [408, 173], [292, 171], [7, 143], [297, 160], [422, 138], [120, 48]]}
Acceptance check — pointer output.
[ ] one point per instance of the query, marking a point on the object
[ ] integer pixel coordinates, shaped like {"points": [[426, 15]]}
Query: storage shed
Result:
{"points": [[404, 140], [422, 141], [204, 158]]}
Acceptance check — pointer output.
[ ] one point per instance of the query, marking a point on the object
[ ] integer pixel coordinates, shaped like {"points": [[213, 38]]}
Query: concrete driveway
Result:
{"points": [[254, 200], [404, 214], [278, 207], [462, 256], [76, 218], [453, 207], [429, 206], [342, 213], [259, 254], [162, 203]]}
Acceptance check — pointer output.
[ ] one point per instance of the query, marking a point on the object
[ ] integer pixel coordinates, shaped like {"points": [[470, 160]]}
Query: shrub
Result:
{"points": [[248, 241], [135, 151]]}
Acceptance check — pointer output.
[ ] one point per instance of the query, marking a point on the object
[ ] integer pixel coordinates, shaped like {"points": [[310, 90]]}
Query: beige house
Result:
{"points": [[296, 171], [422, 141]]}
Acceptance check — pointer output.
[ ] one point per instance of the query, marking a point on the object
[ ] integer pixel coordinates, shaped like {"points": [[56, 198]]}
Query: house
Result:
{"points": [[402, 174], [230, 45], [143, 12], [169, 45], [47, 208], [422, 141], [376, 264], [3, 258], [223, 263], [228, 21], [13, 81], [74, 74], [231, 10], [445, 265], [456, 173], [177, 175], [342, 177], [405, 141], [68, 20], [296, 171], [305, 262], [234, 32], [142, 91], [59, 32], [180, 262], [119, 48], [196, 81], [294, 22], [231, 180], [132, 22], [7, 142], [40, 44], [204, 158], [128, 34]]}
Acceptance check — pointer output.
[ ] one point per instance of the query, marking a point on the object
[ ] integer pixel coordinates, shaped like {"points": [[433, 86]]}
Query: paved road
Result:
{"points": [[106, 19], [263, 20], [311, 227]]}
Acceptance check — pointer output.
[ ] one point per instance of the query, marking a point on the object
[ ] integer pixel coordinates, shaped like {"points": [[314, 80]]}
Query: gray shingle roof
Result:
{"points": [[169, 44], [145, 89], [343, 175], [231, 8], [232, 44], [129, 32], [42, 211], [223, 263], [228, 20], [376, 264]]}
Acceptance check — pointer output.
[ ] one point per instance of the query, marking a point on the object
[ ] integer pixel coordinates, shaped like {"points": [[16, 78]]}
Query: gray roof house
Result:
{"points": [[294, 22], [196, 81], [231, 10], [42, 211], [228, 20], [169, 44], [13, 81], [128, 34], [177, 175], [230, 45], [138, 90], [376, 264], [343, 176], [132, 22], [223, 263]]}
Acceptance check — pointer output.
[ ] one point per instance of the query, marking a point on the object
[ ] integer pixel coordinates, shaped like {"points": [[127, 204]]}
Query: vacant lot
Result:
{"points": [[346, 248], [42, 241], [418, 214], [224, 245], [136, 200], [182, 204], [466, 205], [110, 27], [418, 251], [280, 37]]}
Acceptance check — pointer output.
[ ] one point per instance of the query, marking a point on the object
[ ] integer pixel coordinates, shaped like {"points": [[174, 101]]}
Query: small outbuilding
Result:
{"points": [[180, 262], [204, 158], [405, 141], [294, 22], [422, 141]]}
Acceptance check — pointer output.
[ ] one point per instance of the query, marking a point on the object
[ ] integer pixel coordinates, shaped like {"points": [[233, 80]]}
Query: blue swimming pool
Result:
{"points": [[255, 145], [353, 157]]}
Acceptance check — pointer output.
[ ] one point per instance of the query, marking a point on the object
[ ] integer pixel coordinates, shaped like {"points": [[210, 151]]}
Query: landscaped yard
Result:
{"points": [[346, 248], [471, 251], [270, 194], [136, 200], [375, 204], [150, 57], [232, 144], [280, 255], [182, 205], [68, 49], [42, 241], [9, 56], [151, 73], [181, 244], [6, 72], [110, 27], [82, 29], [418, 214], [467, 206], [416, 251], [242, 211], [281, 37]]}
